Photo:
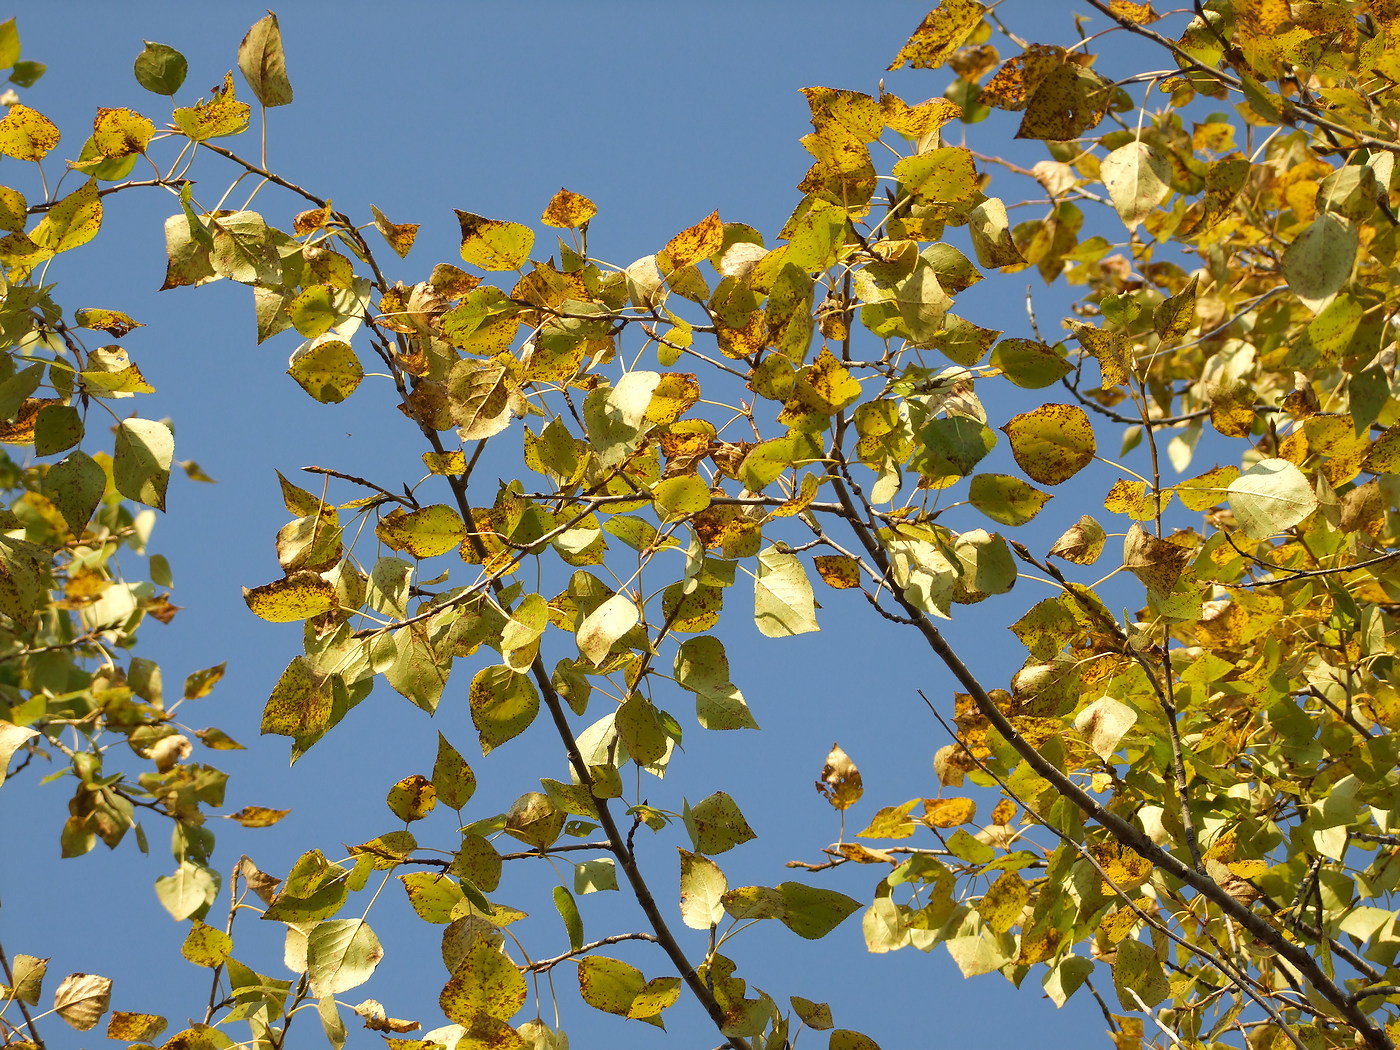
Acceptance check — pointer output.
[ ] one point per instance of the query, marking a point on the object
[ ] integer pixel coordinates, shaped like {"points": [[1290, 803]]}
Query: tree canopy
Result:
{"points": [[1182, 802]]}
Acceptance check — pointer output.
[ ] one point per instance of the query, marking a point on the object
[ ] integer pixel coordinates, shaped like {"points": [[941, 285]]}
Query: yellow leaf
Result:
{"points": [[299, 596], [948, 812], [838, 570], [121, 132], [698, 242], [221, 115], [258, 816], [568, 210], [26, 134], [940, 34]]}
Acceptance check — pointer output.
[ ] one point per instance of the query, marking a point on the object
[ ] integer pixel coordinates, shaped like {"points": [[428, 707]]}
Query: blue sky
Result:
{"points": [[661, 114]]}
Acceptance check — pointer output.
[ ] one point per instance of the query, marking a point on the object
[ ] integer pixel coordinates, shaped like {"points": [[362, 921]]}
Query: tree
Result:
{"points": [[1192, 800]]}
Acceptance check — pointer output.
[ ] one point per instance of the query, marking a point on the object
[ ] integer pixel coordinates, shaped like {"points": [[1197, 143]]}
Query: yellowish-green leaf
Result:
{"points": [[73, 221], [327, 369], [494, 244]]}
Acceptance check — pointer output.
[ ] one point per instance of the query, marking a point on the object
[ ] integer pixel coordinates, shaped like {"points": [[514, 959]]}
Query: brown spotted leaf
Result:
{"points": [[1052, 443], [940, 34]]}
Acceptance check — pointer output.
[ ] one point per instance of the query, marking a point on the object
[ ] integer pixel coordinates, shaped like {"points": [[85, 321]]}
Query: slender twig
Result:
{"points": [[542, 965]]}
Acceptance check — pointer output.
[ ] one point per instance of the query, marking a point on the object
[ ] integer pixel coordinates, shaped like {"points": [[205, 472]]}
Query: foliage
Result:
{"points": [[1194, 801]]}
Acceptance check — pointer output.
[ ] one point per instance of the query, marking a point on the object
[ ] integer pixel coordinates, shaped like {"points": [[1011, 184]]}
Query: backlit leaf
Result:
{"points": [[73, 221], [341, 954], [716, 825], [1006, 500], [783, 602], [12, 738], [141, 460], [695, 243], [702, 886], [484, 981], [1138, 179], [494, 244], [1269, 497], [221, 115]]}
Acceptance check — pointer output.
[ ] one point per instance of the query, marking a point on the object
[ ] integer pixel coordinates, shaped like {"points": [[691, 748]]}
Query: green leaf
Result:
{"points": [[433, 895], [141, 460], [953, 446], [57, 428], [1138, 178], [1318, 264], [160, 68], [1270, 497], [568, 911], [9, 43], [615, 987], [783, 601], [341, 954], [640, 727], [813, 913], [681, 496], [702, 886], [452, 777], [300, 703], [76, 485], [263, 63]]}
